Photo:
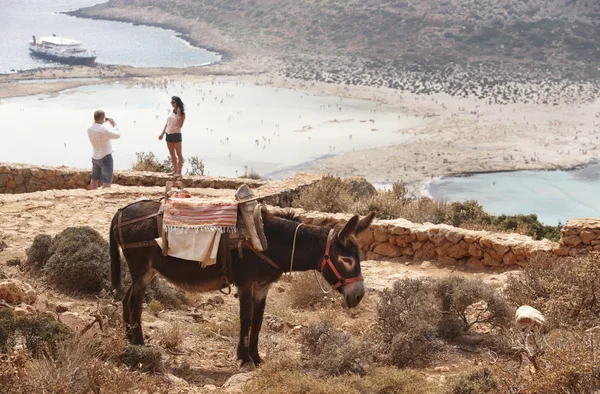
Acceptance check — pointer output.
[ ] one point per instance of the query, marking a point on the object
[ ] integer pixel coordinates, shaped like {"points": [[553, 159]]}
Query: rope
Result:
{"points": [[320, 285], [294, 248]]}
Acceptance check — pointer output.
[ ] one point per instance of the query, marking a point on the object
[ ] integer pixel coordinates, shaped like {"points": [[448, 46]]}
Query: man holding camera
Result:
{"points": [[102, 160]]}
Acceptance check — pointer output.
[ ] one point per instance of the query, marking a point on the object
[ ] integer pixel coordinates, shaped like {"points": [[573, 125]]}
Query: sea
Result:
{"points": [[114, 42], [554, 196]]}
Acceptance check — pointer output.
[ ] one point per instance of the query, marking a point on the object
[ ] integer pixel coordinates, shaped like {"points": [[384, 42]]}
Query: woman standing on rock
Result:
{"points": [[173, 130]]}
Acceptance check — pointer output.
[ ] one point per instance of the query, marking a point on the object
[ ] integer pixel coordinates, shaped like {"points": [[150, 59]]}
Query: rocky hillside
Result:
{"points": [[547, 33]]}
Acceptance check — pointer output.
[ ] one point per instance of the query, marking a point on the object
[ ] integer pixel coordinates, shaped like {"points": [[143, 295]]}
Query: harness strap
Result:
{"points": [[294, 247], [143, 244], [262, 255], [134, 220]]}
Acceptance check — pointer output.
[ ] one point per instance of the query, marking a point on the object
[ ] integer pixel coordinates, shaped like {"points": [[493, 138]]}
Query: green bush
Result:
{"points": [[43, 334], [38, 253], [8, 328], [330, 194], [79, 261], [143, 358]]}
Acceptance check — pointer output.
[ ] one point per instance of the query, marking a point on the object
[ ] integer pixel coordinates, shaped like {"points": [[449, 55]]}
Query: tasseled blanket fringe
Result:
{"points": [[196, 229]]}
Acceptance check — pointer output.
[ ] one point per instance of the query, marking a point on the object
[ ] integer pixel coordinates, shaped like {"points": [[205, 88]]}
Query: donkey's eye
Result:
{"points": [[347, 260]]}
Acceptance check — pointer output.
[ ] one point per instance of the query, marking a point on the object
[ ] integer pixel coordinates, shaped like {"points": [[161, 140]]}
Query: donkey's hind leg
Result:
{"points": [[141, 275], [259, 298], [243, 349], [127, 314]]}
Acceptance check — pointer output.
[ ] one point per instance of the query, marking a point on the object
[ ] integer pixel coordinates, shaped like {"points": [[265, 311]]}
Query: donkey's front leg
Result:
{"points": [[246, 301], [259, 296]]}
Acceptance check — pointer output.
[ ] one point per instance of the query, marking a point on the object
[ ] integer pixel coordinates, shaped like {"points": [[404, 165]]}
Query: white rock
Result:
{"points": [[529, 317], [236, 383]]}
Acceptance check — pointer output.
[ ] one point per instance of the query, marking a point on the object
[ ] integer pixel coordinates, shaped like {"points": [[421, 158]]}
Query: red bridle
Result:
{"points": [[327, 260]]}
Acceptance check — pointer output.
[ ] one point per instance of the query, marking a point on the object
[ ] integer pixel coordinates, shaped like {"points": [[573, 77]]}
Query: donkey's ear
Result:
{"points": [[348, 230], [364, 223]]}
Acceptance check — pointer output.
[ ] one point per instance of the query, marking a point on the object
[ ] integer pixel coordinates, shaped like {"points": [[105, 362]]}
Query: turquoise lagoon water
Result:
{"points": [[553, 195], [231, 125]]}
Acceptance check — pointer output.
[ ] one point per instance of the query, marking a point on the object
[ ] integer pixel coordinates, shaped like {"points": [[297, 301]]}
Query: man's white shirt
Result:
{"points": [[100, 137]]}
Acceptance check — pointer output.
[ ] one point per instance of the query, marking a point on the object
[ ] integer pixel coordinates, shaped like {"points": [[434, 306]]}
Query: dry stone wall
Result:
{"points": [[402, 240], [23, 178], [579, 236]]}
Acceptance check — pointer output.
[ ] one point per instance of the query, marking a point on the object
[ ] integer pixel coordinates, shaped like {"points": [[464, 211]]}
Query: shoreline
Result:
{"points": [[463, 135]]}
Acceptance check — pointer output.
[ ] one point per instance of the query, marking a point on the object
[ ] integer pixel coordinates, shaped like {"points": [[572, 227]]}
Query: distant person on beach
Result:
{"points": [[173, 130], [102, 160]]}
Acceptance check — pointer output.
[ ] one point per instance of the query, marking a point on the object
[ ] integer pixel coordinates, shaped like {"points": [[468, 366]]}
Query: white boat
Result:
{"points": [[63, 50]]}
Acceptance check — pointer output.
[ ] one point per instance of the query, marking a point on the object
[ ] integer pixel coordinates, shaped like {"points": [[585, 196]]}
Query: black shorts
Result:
{"points": [[175, 137]]}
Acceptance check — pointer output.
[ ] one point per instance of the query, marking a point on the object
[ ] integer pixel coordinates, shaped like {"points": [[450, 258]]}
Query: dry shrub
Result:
{"points": [[251, 174], [562, 288], [332, 352], [76, 369], [330, 194], [149, 162], [458, 296], [569, 364], [408, 318], [155, 307], [14, 262], [38, 253], [8, 329], [169, 296], [275, 378], [43, 334], [196, 166], [12, 370], [143, 358], [305, 292], [171, 338], [79, 261], [481, 381]]}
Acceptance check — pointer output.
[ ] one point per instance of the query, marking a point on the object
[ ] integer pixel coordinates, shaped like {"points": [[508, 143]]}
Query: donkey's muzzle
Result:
{"points": [[353, 293]]}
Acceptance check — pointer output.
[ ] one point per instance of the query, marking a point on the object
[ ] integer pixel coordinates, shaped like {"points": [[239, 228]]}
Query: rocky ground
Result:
{"points": [[204, 360]]}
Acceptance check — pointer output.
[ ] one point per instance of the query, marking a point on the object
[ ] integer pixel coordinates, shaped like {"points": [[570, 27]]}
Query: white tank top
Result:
{"points": [[172, 123]]}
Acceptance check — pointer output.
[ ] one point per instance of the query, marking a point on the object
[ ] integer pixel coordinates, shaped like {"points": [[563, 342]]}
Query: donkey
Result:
{"points": [[333, 251]]}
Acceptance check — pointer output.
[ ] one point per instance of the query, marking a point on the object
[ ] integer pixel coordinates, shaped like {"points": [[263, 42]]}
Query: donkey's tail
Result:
{"points": [[115, 261]]}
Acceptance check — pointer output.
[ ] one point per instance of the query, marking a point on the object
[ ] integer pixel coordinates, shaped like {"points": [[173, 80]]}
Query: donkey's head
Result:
{"points": [[341, 263]]}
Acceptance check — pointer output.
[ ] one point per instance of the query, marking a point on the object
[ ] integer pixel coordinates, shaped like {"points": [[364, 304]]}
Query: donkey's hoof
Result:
{"points": [[248, 366]]}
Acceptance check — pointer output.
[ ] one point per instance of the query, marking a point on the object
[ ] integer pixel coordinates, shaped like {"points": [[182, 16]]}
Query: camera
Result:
{"points": [[107, 118]]}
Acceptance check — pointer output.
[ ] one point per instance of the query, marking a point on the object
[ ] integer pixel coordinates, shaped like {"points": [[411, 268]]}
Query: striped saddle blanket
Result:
{"points": [[183, 215], [194, 227]]}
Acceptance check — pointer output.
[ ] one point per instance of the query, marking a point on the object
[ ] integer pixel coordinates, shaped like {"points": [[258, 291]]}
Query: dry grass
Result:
{"points": [[304, 292], [328, 195], [155, 307], [284, 377], [169, 296], [149, 162], [171, 338]]}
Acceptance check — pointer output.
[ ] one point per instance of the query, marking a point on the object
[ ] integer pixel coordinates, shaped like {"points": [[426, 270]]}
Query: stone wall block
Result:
{"points": [[509, 259], [572, 240], [491, 258], [485, 243], [421, 235], [474, 264], [475, 250], [562, 250], [471, 238], [453, 235], [459, 250], [437, 238], [425, 252], [500, 248], [447, 260], [388, 250], [587, 237], [381, 236], [366, 238], [443, 249]]}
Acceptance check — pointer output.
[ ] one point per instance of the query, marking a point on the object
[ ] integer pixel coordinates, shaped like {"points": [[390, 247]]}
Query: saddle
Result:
{"points": [[248, 230]]}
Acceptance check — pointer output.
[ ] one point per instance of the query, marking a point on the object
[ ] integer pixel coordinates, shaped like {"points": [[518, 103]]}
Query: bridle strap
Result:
{"points": [[327, 261]]}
